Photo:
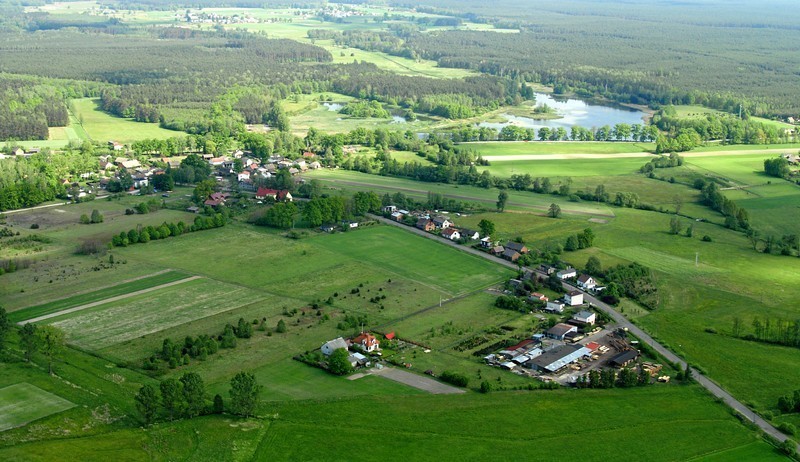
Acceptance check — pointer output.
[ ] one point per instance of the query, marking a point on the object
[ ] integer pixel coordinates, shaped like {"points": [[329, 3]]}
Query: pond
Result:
{"points": [[572, 112]]}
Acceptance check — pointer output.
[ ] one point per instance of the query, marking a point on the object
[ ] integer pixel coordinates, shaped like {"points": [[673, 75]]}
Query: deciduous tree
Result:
{"points": [[244, 394]]}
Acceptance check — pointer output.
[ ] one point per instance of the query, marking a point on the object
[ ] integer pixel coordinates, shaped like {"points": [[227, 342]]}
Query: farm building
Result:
{"points": [[486, 242], [558, 358], [623, 358], [442, 222], [470, 234], [574, 298], [329, 347], [585, 317], [560, 330], [586, 282], [425, 224], [511, 255]]}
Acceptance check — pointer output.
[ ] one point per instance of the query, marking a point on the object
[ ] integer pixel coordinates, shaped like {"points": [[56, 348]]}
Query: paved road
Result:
{"points": [[622, 321], [416, 381]]}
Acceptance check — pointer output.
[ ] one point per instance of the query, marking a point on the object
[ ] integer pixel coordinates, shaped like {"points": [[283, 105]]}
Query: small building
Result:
{"points": [[327, 228], [216, 199], [243, 176], [623, 358], [398, 216], [389, 209], [555, 306], [567, 273], [442, 222], [520, 248], [560, 330], [547, 269], [18, 152], [539, 297], [129, 164], [425, 224], [358, 360], [470, 234], [366, 342], [486, 242], [114, 146], [574, 298], [193, 209], [452, 234], [585, 317], [586, 282], [511, 255], [329, 347]]}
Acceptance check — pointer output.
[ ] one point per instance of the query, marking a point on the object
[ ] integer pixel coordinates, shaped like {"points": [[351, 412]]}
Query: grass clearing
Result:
{"points": [[102, 127], [23, 403], [510, 148]]}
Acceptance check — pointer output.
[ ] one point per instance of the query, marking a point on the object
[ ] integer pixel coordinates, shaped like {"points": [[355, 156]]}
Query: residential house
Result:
{"points": [[139, 180], [585, 317], [114, 146], [327, 228], [216, 161], [389, 209], [586, 282], [486, 242], [18, 152], [329, 347], [425, 224], [517, 247], [284, 196], [216, 199], [442, 222], [511, 255], [350, 224], [129, 164], [555, 306], [366, 342], [574, 298], [243, 176], [263, 193], [547, 269], [301, 164], [539, 297], [470, 234], [308, 154], [567, 273], [560, 330], [398, 215], [452, 234], [498, 250], [293, 171], [314, 165]]}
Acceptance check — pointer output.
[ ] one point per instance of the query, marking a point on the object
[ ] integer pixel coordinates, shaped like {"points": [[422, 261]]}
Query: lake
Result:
{"points": [[573, 112]]}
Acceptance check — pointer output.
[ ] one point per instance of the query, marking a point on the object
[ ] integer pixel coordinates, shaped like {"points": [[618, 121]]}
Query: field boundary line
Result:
{"points": [[107, 300]]}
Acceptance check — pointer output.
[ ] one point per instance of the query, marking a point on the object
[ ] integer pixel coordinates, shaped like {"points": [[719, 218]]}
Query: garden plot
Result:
{"points": [[134, 317]]}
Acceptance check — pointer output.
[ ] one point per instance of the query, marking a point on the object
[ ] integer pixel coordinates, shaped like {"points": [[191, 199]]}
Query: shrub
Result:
{"points": [[35, 226], [706, 238], [454, 378]]}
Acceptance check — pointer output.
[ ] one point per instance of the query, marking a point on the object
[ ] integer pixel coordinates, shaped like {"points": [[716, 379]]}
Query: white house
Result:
{"points": [[329, 347], [452, 234], [574, 298], [586, 282], [442, 222], [367, 342], [470, 234], [555, 306], [389, 209], [245, 175], [567, 273], [486, 242], [585, 317]]}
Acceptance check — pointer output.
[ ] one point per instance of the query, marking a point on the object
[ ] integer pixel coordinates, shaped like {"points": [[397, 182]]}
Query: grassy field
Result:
{"points": [[23, 403], [510, 148], [102, 127], [629, 424], [95, 296]]}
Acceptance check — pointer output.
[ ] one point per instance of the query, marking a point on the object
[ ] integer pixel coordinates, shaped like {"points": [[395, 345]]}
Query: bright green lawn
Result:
{"points": [[509, 148], [102, 127], [22, 403]]}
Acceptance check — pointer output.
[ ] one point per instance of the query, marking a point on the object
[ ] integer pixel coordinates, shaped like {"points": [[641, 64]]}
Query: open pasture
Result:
{"points": [[22, 403], [512, 148], [106, 325], [103, 127], [566, 167], [634, 422]]}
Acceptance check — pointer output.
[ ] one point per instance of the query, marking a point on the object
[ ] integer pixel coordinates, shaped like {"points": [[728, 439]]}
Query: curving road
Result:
{"points": [[622, 321]]}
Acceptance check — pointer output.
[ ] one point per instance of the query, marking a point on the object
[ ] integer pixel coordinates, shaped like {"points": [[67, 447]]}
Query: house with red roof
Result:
{"points": [[452, 234], [216, 199], [366, 342]]}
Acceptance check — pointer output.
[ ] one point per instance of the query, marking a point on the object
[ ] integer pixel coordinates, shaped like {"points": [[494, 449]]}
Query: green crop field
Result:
{"points": [[133, 317], [23, 403], [102, 127], [95, 296], [566, 167]]}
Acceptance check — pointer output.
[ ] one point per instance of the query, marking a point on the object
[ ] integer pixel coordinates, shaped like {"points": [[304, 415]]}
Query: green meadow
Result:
{"points": [[23, 403], [102, 127]]}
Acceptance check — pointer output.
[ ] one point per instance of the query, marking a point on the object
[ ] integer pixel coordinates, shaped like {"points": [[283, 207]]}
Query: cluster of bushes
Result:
{"points": [[365, 109], [578, 241], [609, 378], [789, 403], [148, 233], [634, 281], [736, 218], [9, 265], [777, 331], [778, 167], [509, 302], [674, 160], [454, 378], [352, 321], [143, 208], [176, 354], [96, 217]]}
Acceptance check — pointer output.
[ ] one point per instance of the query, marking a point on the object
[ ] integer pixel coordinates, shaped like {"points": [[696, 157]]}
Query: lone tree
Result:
{"points": [[244, 394], [502, 198], [194, 393], [593, 266], [281, 327], [147, 403], [51, 343], [219, 404], [554, 211], [172, 397], [97, 217], [5, 326], [29, 341], [338, 362], [674, 225], [487, 227]]}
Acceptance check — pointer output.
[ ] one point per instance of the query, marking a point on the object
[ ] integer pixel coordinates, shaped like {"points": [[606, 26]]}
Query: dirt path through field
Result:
{"points": [[108, 300]]}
